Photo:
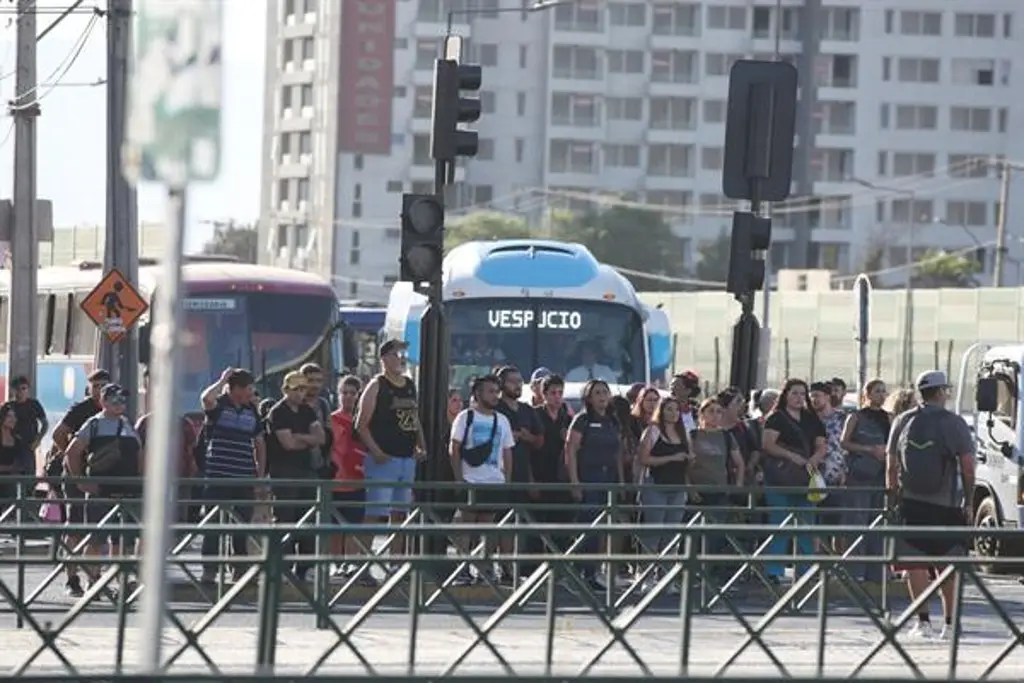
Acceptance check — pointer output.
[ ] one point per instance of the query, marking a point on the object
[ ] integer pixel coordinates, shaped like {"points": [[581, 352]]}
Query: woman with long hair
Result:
{"points": [[663, 456], [12, 453], [900, 401], [593, 455], [792, 445], [865, 436]]}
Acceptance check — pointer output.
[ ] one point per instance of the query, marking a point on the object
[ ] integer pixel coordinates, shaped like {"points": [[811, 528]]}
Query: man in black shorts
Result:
{"points": [[930, 465]]}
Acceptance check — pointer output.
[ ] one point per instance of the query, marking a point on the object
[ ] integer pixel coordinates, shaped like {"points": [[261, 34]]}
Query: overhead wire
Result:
{"points": [[52, 81]]}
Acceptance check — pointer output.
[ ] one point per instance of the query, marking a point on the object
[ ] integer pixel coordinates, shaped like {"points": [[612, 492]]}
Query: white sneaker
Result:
{"points": [[947, 632], [922, 630]]}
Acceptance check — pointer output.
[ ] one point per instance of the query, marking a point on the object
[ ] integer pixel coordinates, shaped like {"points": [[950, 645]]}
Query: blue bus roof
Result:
{"points": [[366, 319]]}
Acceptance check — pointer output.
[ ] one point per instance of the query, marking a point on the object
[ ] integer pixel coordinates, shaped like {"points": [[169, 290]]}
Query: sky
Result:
{"points": [[71, 132]]}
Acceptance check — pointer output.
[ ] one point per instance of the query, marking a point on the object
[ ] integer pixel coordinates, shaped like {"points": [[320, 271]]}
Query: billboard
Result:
{"points": [[366, 77]]}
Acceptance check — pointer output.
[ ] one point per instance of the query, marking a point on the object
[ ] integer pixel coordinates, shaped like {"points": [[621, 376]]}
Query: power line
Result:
{"points": [[54, 79]]}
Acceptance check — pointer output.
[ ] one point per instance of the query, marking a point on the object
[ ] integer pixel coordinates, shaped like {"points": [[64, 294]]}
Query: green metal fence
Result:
{"points": [[710, 610]]}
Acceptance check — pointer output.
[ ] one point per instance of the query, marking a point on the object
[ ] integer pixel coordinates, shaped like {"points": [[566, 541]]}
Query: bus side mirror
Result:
{"points": [[144, 331], [986, 395]]}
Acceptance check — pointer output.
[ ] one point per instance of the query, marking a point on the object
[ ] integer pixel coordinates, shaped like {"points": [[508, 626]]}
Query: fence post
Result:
{"points": [[935, 354], [675, 350], [878, 359], [718, 359], [785, 360], [269, 603], [949, 359]]}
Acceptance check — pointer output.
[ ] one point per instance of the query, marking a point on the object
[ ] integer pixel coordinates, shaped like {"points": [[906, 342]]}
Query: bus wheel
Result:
{"points": [[986, 516]]}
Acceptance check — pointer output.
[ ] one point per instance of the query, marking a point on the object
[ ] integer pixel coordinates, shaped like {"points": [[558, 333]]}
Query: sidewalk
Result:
{"points": [[522, 641]]}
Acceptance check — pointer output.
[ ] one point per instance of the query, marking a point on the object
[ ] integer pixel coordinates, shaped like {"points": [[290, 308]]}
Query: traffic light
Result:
{"points": [[451, 79], [751, 235], [422, 239]]}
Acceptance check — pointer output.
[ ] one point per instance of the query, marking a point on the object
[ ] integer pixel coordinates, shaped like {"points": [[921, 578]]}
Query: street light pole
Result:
{"points": [[907, 347]]}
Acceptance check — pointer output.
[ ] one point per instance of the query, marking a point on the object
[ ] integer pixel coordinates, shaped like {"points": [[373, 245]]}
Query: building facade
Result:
{"points": [[905, 103]]}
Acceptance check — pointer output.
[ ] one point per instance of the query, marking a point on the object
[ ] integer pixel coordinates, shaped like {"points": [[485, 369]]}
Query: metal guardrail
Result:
{"points": [[711, 569]]}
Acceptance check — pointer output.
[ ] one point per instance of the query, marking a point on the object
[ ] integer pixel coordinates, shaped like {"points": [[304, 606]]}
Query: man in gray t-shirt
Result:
{"points": [[947, 438]]}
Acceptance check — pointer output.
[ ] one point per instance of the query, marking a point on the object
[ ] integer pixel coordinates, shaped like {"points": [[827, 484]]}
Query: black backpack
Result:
{"points": [[925, 459], [477, 455]]}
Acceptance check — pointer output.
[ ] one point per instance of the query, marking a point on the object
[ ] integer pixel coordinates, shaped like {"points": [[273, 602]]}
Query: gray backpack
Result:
{"points": [[926, 460]]}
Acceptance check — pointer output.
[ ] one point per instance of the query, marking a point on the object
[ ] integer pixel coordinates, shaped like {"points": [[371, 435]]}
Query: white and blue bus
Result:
{"points": [[537, 303]]}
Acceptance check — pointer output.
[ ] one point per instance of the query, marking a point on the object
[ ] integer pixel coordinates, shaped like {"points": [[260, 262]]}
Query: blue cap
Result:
{"points": [[540, 374]]}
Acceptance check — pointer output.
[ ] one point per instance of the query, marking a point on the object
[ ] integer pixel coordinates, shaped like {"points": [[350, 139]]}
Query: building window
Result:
{"points": [[625, 61], [973, 119], [393, 186], [423, 102], [672, 161], [717, 64], [714, 111], [568, 109], [967, 166], [973, 71], [920, 212], [681, 19], [627, 14], [426, 52], [488, 102], [624, 108], [579, 16], [674, 66], [729, 17], [571, 156], [622, 156], [917, 70], [673, 113], [913, 164], [973, 214], [487, 54], [840, 23], [838, 71], [832, 165], [485, 149], [576, 62], [711, 158], [836, 118], [421, 151], [916, 117], [917, 23], [974, 25]]}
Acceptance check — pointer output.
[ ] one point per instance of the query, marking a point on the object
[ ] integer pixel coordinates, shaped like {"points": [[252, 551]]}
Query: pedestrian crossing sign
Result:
{"points": [[114, 305]]}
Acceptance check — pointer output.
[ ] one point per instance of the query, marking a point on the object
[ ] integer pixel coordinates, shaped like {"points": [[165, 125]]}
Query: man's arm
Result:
{"points": [[212, 393], [893, 464], [367, 404], [259, 450], [44, 424]]}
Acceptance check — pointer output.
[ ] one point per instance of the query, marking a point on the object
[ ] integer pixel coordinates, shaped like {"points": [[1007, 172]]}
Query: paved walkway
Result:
{"points": [[384, 641]]}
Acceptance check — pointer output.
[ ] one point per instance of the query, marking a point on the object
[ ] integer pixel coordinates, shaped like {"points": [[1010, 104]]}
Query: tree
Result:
{"points": [[874, 259], [483, 226], [713, 258], [234, 239], [633, 239], [942, 269]]}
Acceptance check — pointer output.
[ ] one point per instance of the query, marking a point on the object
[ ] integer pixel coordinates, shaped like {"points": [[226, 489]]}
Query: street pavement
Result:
{"points": [[384, 641]]}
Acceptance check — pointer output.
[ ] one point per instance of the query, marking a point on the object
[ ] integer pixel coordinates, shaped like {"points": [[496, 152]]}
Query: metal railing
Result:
{"points": [[549, 623]]}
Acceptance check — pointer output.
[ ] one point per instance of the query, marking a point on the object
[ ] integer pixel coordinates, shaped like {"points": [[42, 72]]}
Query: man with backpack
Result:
{"points": [[930, 467], [107, 447]]}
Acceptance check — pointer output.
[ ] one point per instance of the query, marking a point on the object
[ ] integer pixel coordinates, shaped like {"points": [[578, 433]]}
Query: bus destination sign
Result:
{"points": [[515, 319]]}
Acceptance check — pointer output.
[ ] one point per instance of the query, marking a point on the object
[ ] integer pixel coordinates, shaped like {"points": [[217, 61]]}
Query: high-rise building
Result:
{"points": [[906, 101]]}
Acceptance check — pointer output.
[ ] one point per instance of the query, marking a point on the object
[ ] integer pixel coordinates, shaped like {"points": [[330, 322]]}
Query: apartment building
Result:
{"points": [[903, 101]]}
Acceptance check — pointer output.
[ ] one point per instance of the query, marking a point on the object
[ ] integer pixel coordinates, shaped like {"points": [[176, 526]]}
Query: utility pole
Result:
{"points": [[121, 247], [1005, 169], [23, 321]]}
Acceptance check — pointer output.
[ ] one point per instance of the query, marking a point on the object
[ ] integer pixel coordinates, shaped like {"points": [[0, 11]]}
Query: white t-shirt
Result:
{"points": [[584, 373], [492, 471]]}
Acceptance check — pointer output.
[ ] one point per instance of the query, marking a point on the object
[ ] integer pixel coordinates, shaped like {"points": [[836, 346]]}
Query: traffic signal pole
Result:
{"points": [[760, 123]]}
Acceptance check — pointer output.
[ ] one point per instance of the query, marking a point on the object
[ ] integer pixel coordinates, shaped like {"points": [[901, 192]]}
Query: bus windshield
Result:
{"points": [[577, 339], [259, 331]]}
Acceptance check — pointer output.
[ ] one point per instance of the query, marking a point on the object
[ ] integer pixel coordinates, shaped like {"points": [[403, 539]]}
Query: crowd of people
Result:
{"points": [[656, 457]]}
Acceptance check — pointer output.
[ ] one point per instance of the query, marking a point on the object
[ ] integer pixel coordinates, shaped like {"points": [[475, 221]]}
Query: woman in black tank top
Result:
{"points": [[664, 454], [11, 451]]}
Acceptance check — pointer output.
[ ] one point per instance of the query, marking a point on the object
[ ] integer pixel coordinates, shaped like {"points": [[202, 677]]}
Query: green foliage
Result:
{"points": [[713, 258], [942, 269], [484, 226], [629, 238], [233, 239]]}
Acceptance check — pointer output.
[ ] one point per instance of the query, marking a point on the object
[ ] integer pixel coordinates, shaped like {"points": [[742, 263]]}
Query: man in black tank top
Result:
{"points": [[389, 427]]}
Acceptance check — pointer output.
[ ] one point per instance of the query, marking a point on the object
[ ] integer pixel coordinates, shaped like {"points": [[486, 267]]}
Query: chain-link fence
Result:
{"points": [[814, 357]]}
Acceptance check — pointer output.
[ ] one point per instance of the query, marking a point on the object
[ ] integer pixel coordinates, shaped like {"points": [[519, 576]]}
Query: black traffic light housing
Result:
{"points": [[422, 247], [450, 109], [751, 237]]}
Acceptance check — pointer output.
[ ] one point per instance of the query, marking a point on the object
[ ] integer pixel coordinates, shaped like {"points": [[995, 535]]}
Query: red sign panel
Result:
{"points": [[366, 83]]}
